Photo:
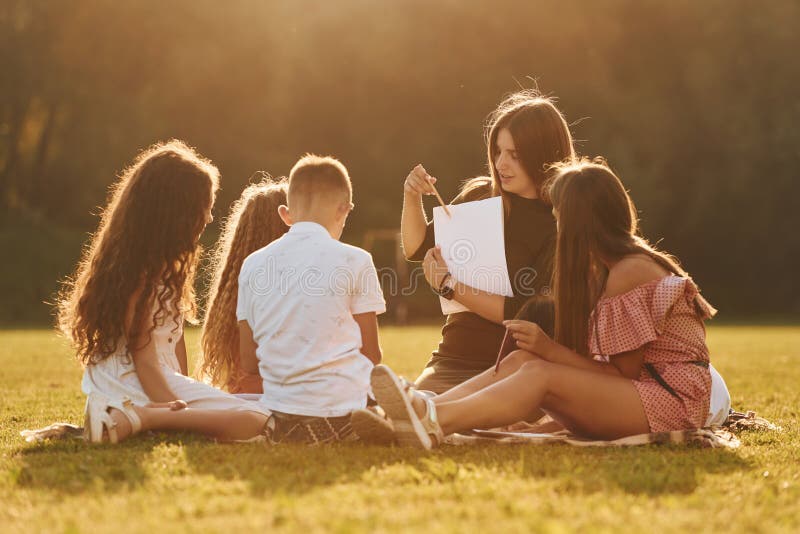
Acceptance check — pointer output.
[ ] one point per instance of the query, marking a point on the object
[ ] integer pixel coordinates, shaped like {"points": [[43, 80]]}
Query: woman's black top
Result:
{"points": [[530, 235]]}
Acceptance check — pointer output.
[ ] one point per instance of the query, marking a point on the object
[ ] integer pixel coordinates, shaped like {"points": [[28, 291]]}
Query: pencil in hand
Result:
{"points": [[420, 182], [439, 198], [506, 347]]}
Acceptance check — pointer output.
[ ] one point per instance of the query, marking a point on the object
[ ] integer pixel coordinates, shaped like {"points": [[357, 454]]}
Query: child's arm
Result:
{"points": [[529, 336], [145, 359], [148, 369], [180, 352], [627, 364], [248, 360], [370, 346]]}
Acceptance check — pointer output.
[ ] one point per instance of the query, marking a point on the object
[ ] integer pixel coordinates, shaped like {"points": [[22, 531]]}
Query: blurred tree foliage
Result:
{"points": [[695, 104]]}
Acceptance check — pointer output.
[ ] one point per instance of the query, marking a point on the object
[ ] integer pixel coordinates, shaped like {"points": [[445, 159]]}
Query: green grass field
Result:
{"points": [[156, 483]]}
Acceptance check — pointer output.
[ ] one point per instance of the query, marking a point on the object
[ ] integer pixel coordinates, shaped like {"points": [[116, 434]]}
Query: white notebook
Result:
{"points": [[473, 246]]}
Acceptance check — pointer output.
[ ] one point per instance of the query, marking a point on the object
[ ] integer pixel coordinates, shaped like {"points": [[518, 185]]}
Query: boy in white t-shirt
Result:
{"points": [[307, 311]]}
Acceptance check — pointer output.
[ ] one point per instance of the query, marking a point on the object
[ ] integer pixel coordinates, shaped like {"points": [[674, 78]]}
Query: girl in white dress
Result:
{"points": [[124, 309]]}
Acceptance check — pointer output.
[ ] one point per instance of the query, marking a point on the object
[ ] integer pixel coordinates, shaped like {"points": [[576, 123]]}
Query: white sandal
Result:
{"points": [[395, 395], [125, 405], [97, 418]]}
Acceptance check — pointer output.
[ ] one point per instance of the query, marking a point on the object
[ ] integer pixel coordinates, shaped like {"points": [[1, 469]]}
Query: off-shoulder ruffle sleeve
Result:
{"points": [[669, 291], [637, 317], [622, 323]]}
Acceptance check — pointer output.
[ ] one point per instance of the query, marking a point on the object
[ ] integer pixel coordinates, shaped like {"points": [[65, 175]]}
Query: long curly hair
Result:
{"points": [[138, 268], [253, 223]]}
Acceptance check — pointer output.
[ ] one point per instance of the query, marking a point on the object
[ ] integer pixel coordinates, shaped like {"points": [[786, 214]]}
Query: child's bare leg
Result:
{"points": [[589, 403], [219, 424], [508, 366]]}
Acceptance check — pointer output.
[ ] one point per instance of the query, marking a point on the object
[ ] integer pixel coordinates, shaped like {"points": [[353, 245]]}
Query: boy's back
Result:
{"points": [[299, 295]]}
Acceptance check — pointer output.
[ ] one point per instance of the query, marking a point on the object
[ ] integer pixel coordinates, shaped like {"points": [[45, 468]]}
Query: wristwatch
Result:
{"points": [[447, 287]]}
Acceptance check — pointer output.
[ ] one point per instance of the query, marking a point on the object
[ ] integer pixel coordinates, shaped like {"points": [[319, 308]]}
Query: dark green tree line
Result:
{"points": [[695, 104]]}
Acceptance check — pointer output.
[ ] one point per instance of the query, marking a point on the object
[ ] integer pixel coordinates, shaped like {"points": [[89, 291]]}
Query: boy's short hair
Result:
{"points": [[317, 181]]}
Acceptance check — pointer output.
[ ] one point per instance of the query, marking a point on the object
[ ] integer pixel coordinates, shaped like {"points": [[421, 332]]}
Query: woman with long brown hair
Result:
{"points": [[629, 354], [124, 308], [253, 223], [525, 135]]}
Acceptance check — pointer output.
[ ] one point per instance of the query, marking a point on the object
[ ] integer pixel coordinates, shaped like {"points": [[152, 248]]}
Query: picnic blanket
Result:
{"points": [[712, 437], [704, 437]]}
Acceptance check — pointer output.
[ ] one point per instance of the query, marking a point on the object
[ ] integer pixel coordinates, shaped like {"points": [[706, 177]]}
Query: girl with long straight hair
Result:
{"points": [[253, 223], [124, 308], [629, 353]]}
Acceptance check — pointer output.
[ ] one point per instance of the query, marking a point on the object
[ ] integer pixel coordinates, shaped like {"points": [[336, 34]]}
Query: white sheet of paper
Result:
{"points": [[473, 245]]}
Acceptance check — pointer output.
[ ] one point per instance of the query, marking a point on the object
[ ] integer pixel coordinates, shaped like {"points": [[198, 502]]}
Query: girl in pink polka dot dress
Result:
{"points": [[628, 355], [664, 318]]}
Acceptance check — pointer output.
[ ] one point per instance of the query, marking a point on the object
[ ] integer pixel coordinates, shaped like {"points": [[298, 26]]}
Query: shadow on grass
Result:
{"points": [[652, 470], [649, 470], [71, 467]]}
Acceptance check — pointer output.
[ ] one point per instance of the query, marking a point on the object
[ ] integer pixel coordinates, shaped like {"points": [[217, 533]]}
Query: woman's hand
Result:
{"points": [[418, 182], [434, 267], [529, 336]]}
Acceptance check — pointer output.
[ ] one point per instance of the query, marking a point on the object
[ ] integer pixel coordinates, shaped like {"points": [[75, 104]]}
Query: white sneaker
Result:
{"points": [[395, 399]]}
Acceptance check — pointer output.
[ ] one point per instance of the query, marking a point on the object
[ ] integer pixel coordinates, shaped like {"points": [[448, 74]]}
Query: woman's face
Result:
{"points": [[513, 178]]}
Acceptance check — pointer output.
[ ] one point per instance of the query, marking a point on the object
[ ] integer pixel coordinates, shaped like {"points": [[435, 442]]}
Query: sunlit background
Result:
{"points": [[694, 103]]}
